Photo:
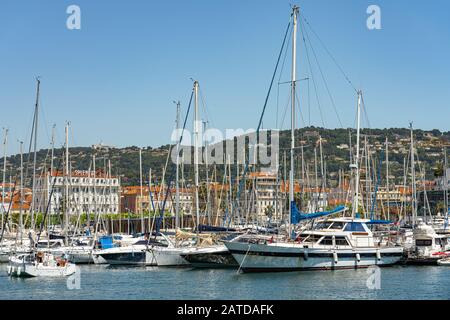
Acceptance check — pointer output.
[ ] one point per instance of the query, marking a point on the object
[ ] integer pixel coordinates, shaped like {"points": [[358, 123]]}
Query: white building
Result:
{"points": [[266, 186], [85, 191]]}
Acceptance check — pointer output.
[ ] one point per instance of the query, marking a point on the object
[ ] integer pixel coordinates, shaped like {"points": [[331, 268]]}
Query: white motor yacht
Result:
{"points": [[339, 243]]}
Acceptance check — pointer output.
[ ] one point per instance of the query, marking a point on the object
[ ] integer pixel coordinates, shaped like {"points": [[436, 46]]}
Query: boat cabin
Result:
{"points": [[339, 232]]}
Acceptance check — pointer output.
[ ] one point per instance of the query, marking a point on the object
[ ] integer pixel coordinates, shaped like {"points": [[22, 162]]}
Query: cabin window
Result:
{"points": [[354, 226], [337, 226], [424, 243], [327, 241], [313, 238], [324, 225], [341, 241]]}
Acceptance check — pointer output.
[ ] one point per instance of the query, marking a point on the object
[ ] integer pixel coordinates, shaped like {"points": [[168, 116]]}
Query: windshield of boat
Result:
{"points": [[312, 238], [331, 225]]}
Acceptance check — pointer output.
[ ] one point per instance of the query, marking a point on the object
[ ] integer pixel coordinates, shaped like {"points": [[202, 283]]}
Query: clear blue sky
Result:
{"points": [[116, 78]]}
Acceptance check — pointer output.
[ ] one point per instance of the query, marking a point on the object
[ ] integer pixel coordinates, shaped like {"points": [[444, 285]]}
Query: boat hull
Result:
{"points": [[167, 257], [80, 255], [131, 256], [27, 270], [273, 258], [125, 258], [215, 257]]}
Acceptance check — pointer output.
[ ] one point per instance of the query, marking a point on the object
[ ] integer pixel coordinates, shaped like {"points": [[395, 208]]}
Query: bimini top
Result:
{"points": [[297, 216]]}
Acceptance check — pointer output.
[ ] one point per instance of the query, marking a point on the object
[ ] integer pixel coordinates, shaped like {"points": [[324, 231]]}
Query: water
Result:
{"points": [[101, 282]]}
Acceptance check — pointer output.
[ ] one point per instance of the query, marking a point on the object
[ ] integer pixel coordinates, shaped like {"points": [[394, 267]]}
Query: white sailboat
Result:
{"points": [[39, 264], [171, 255]]}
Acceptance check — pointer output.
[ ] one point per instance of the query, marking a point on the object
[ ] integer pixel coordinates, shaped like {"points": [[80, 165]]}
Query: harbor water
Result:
{"points": [[103, 282]]}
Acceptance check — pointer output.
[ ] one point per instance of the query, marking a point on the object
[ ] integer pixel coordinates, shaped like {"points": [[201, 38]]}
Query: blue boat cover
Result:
{"points": [[297, 216], [379, 222], [208, 228]]}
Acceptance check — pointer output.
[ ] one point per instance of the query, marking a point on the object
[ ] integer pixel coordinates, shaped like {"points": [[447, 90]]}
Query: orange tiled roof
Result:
{"points": [[82, 174]]}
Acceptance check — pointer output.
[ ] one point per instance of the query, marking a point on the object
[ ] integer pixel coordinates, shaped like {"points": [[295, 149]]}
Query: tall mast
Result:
{"points": [[446, 187], [293, 83], [66, 211], [5, 144], [387, 181], [413, 177], [21, 193], [36, 118], [303, 165], [356, 164], [94, 186], [366, 152], [322, 170], [207, 208], [53, 149], [141, 193], [177, 184], [196, 155]]}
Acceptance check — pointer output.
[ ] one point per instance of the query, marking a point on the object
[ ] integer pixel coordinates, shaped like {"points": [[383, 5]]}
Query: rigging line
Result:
{"points": [[278, 99], [28, 161], [309, 105], [323, 78], [365, 112], [50, 198], [285, 111], [241, 185], [329, 53], [204, 107], [299, 109], [281, 73], [72, 136], [312, 77], [44, 119], [170, 180]]}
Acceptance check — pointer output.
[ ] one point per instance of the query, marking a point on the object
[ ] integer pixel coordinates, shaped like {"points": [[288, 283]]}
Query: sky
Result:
{"points": [[116, 78]]}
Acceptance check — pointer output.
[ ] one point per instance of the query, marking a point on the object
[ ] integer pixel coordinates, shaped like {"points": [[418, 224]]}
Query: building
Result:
{"points": [[268, 195], [133, 200], [84, 191], [16, 203]]}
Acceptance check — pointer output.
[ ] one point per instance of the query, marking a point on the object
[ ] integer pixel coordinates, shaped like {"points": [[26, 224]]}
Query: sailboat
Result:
{"points": [[337, 243], [171, 255], [39, 264]]}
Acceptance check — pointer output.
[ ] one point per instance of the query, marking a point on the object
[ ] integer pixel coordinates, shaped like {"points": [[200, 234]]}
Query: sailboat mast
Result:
{"points": [[66, 209], [207, 208], [141, 211], [293, 83], [177, 185], [387, 181], [356, 164], [21, 193], [196, 155], [446, 187], [36, 118], [5, 144], [413, 177]]}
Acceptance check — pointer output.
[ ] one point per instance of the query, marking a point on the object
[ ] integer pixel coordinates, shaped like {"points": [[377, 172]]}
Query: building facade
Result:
{"points": [[80, 192], [134, 201]]}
